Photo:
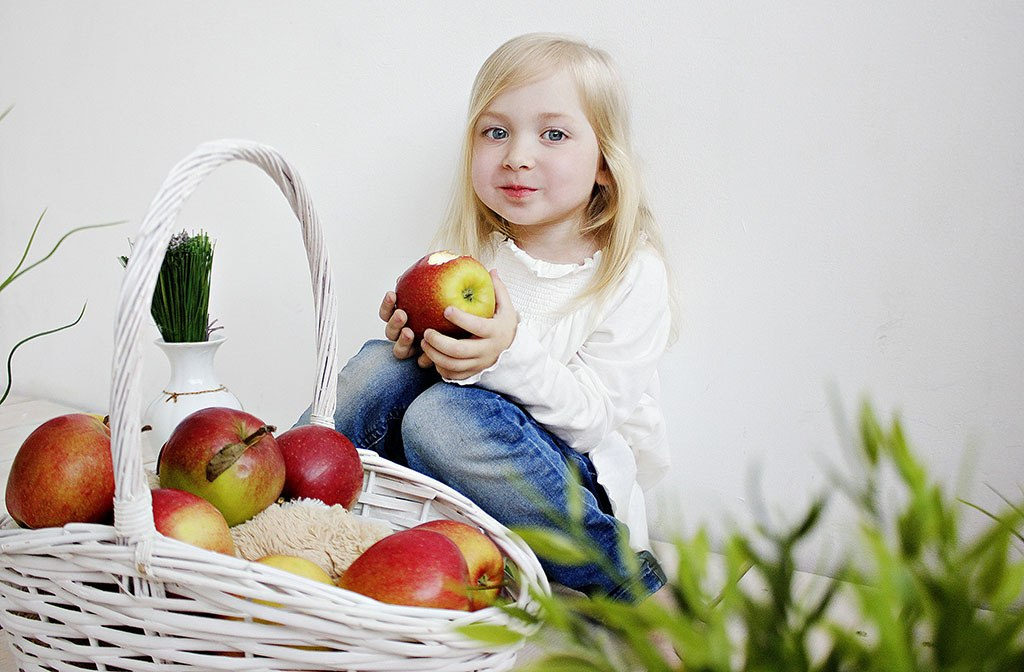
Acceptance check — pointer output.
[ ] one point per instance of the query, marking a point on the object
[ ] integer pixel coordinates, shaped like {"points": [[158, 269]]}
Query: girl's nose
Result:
{"points": [[518, 155]]}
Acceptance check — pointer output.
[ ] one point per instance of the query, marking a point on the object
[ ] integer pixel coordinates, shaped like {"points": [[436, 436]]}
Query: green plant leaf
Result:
{"points": [[570, 662], [1009, 589], [1010, 525], [491, 634], [554, 546], [871, 434]]}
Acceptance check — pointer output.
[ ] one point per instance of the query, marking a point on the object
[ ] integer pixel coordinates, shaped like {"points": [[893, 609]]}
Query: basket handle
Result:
{"points": [[133, 507]]}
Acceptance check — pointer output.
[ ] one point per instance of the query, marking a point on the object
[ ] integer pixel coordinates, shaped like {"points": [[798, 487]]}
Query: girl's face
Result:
{"points": [[535, 156]]}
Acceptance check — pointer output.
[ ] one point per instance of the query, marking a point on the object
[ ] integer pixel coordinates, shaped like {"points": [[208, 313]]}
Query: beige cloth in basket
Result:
{"points": [[330, 536]]}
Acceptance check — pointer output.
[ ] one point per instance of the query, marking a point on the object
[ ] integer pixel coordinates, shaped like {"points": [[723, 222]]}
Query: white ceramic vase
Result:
{"points": [[193, 385]]}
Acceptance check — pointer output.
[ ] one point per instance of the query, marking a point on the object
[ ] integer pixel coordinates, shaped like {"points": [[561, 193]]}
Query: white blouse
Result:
{"points": [[587, 371]]}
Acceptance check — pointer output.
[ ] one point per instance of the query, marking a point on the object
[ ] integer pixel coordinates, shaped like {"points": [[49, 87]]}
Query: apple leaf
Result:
{"points": [[229, 454], [223, 459]]}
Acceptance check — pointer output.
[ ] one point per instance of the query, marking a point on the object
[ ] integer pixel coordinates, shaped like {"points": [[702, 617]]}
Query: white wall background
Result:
{"points": [[842, 185]]}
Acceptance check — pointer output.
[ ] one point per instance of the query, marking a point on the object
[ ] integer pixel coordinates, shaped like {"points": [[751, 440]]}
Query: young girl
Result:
{"points": [[559, 390]]}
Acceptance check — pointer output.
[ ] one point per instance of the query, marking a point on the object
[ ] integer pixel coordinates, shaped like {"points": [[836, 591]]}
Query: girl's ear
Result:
{"points": [[603, 177]]}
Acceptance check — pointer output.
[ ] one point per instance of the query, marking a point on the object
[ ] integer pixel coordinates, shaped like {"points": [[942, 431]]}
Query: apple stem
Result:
{"points": [[254, 437]]}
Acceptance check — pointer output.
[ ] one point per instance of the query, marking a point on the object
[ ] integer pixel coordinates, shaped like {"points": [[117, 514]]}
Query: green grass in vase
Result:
{"points": [[182, 296]]}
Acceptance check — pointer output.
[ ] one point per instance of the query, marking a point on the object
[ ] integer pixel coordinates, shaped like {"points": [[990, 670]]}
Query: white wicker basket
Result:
{"points": [[126, 598]]}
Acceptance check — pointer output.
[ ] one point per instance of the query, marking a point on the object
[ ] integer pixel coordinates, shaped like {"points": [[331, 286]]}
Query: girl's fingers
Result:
{"points": [[454, 358], [474, 324], [404, 347], [387, 306], [424, 361], [396, 323]]}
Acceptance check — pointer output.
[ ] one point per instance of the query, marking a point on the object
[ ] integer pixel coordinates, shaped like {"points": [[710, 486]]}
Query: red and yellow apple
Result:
{"points": [[63, 473], [190, 518], [226, 456], [298, 566], [417, 568], [295, 565], [484, 559], [442, 279], [320, 463]]}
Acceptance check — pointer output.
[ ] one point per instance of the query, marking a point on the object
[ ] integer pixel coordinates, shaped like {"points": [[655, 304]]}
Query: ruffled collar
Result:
{"points": [[541, 268]]}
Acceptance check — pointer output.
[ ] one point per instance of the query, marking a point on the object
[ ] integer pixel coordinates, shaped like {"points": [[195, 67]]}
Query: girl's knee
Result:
{"points": [[375, 372], [426, 420], [372, 357], [446, 421]]}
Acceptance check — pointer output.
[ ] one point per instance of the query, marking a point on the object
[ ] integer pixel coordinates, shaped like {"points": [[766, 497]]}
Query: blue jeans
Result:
{"points": [[492, 451]]}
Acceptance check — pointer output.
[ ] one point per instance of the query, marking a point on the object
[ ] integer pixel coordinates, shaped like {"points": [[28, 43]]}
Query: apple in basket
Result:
{"points": [[63, 473], [320, 463], [442, 279], [484, 559], [295, 565], [226, 456], [190, 518], [417, 568]]}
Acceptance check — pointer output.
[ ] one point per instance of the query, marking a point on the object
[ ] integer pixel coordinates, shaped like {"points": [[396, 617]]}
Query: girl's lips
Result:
{"points": [[517, 190]]}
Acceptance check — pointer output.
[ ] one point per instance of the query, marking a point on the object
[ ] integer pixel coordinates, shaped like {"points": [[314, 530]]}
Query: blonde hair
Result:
{"points": [[618, 215]]}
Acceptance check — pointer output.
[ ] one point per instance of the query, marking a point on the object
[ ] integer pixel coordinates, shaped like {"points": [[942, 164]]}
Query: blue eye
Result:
{"points": [[495, 133], [553, 135]]}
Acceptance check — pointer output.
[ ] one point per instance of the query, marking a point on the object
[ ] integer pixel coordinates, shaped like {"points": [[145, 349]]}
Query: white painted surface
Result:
{"points": [[842, 186]]}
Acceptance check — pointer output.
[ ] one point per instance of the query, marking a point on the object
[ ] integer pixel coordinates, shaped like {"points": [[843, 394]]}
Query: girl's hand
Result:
{"points": [[460, 358], [395, 329]]}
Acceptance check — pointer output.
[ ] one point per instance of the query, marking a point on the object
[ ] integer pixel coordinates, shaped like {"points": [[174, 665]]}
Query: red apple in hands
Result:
{"points": [[63, 473], [484, 559], [226, 456], [439, 280], [320, 463], [417, 568], [190, 518]]}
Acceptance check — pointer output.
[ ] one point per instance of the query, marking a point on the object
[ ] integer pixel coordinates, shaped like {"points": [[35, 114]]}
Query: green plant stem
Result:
{"points": [[181, 297], [19, 271], [10, 357]]}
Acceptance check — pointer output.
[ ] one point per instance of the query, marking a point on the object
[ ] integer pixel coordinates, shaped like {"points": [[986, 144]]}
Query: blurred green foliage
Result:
{"points": [[912, 594]]}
